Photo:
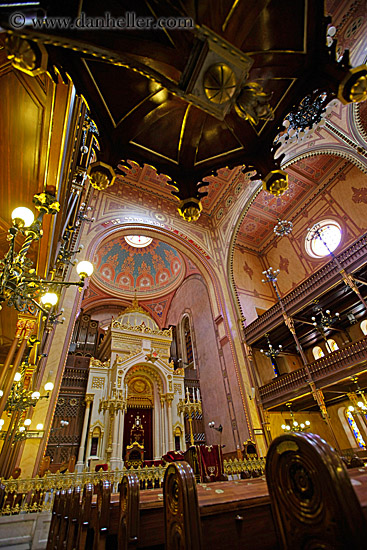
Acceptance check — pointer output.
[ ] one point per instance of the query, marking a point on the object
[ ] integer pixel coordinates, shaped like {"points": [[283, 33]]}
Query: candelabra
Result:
{"points": [[20, 286], [316, 231], [18, 406], [283, 228], [117, 401], [21, 398], [190, 407], [324, 321], [272, 353], [295, 426]]}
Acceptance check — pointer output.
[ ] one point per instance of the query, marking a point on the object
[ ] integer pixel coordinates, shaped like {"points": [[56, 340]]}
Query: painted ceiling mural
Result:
{"points": [[121, 268], [305, 177]]}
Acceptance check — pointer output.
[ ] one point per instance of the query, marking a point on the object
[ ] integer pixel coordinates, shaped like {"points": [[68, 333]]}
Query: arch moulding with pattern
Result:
{"points": [[204, 265], [343, 151]]}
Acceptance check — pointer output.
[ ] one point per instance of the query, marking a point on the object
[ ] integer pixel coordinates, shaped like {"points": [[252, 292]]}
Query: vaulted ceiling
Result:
{"points": [[189, 101]]}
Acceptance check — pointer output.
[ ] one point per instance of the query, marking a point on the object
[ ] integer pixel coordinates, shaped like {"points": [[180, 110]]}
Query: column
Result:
{"points": [[114, 456], [163, 429], [120, 416], [169, 399], [80, 464], [156, 432]]}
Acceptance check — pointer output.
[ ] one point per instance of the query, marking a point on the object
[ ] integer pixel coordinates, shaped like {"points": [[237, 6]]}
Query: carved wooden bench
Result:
{"points": [[314, 502]]}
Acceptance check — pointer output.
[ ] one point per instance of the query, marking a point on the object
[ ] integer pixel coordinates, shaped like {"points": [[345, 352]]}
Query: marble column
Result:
{"points": [[163, 427], [80, 463], [114, 456], [120, 417], [169, 399]]}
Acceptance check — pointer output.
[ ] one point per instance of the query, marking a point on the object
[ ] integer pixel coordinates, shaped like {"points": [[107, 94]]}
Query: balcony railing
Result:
{"points": [[32, 495], [351, 259], [348, 356]]}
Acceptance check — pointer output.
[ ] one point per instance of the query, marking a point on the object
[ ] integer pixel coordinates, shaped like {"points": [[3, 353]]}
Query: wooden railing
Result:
{"points": [[347, 356], [31, 495], [351, 259]]}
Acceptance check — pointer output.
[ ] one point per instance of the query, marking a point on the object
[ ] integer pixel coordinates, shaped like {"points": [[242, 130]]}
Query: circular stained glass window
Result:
{"points": [[324, 237], [138, 241]]}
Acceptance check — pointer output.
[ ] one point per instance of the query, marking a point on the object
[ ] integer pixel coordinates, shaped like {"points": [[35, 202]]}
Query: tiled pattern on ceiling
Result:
{"points": [[304, 177]]}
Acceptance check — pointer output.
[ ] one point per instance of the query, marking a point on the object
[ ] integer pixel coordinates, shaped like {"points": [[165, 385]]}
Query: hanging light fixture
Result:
{"points": [[283, 228], [293, 425], [272, 353]]}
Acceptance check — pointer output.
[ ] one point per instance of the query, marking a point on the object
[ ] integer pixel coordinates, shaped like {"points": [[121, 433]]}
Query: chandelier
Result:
{"points": [[283, 228], [20, 286], [295, 426], [310, 113], [272, 353]]}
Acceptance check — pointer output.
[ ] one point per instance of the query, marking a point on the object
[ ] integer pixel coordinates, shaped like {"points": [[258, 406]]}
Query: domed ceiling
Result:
{"points": [[121, 268]]}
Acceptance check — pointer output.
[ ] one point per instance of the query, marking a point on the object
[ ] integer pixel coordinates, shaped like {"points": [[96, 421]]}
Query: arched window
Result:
{"points": [[317, 352], [353, 426], [363, 326], [332, 345]]}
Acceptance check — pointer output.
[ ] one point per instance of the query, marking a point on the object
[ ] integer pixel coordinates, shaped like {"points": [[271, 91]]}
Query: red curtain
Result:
{"points": [[146, 421]]}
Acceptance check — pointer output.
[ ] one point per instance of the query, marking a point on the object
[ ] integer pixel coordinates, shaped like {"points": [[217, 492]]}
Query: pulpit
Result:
{"points": [[206, 462]]}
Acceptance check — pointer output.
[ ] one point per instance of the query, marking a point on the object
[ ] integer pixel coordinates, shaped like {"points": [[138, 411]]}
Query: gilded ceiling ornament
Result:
{"points": [[219, 83], [353, 88], [101, 175], [190, 209], [276, 182], [28, 57], [253, 104]]}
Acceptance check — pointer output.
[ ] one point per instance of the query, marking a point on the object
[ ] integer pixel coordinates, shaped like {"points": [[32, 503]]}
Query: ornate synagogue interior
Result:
{"points": [[215, 177]]}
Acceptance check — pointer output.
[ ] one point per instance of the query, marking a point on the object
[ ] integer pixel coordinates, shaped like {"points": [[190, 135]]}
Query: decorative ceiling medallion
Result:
{"points": [[138, 241], [219, 83], [152, 270], [214, 74]]}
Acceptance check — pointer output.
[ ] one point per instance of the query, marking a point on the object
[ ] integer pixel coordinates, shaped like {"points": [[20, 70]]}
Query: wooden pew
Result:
{"points": [[314, 503], [101, 522], [54, 520], [71, 540], [221, 515], [85, 516], [64, 520], [128, 528], [181, 509], [234, 514]]}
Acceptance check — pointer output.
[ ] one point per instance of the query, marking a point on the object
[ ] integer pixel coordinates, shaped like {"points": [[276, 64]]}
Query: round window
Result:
{"points": [[323, 238], [138, 241]]}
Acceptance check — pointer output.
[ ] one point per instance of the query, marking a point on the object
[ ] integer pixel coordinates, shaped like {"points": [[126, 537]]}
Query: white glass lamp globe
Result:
{"points": [[84, 269], [49, 299], [22, 216], [49, 386]]}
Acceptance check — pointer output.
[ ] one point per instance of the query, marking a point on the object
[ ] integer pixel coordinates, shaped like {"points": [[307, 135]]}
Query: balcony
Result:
{"points": [[351, 259], [324, 371]]}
